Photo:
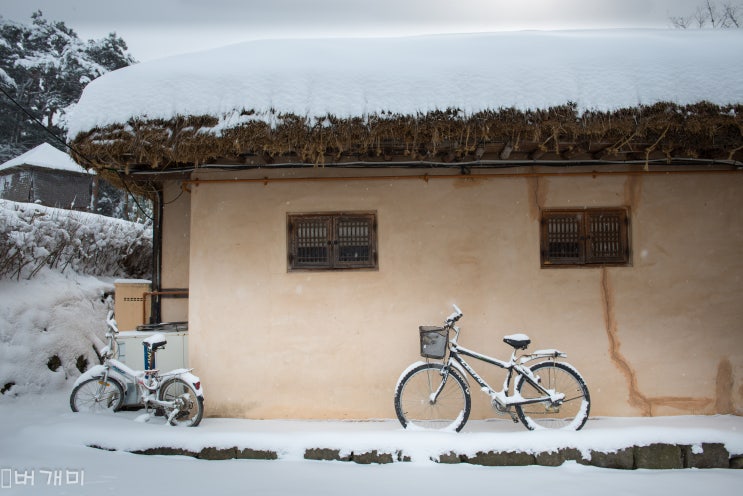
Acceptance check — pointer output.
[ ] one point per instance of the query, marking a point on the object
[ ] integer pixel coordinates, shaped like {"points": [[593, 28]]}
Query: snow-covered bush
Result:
{"points": [[56, 275], [34, 237], [51, 329]]}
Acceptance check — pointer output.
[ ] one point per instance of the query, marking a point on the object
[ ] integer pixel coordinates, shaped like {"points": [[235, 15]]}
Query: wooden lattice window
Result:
{"points": [[585, 237], [330, 241]]}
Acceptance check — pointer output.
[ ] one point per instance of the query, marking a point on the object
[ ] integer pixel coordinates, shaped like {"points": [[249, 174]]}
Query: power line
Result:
{"points": [[36, 120]]}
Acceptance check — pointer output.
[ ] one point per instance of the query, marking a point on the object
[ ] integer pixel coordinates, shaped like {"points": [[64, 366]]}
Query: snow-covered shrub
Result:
{"points": [[34, 237], [56, 270], [50, 327]]}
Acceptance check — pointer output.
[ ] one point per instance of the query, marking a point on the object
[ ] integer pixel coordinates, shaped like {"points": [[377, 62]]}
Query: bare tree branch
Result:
{"points": [[712, 15], [700, 17], [732, 14], [728, 15], [680, 22]]}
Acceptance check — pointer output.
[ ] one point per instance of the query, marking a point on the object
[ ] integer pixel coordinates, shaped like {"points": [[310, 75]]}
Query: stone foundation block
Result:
{"points": [[501, 459], [165, 450], [713, 455], [659, 456], [449, 458], [557, 458], [251, 454], [621, 459], [372, 457], [325, 454], [212, 453]]}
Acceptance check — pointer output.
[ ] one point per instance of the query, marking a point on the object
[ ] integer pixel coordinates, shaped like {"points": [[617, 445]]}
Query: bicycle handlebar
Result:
{"points": [[451, 319], [112, 322]]}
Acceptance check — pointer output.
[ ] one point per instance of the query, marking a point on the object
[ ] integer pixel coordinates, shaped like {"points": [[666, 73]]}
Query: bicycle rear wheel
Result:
{"points": [[570, 413], [414, 392], [190, 406]]}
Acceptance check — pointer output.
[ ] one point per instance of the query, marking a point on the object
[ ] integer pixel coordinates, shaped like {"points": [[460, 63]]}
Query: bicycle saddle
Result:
{"points": [[155, 342], [518, 341]]}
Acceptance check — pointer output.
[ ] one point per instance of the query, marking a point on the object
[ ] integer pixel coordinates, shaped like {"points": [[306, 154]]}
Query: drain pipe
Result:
{"points": [[157, 259]]}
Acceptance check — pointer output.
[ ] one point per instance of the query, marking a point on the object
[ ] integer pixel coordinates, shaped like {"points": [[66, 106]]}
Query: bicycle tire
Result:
{"points": [[193, 411], [412, 399], [93, 396], [561, 377]]}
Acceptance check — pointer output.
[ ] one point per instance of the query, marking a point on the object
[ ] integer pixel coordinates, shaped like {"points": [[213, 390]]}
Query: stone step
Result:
{"points": [[657, 456]]}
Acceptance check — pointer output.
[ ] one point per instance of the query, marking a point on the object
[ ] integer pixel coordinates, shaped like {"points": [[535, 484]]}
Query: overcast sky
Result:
{"points": [[157, 28]]}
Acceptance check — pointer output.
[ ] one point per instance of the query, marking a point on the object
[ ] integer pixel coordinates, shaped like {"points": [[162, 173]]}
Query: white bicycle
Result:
{"points": [[176, 394], [432, 395]]}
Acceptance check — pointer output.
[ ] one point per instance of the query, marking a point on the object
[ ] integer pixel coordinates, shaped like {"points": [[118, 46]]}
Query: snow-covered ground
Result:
{"points": [[44, 446], [44, 442]]}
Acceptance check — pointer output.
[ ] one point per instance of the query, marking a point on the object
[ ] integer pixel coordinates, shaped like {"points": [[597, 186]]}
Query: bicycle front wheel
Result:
{"points": [[190, 406], [415, 404], [569, 413], [96, 396]]}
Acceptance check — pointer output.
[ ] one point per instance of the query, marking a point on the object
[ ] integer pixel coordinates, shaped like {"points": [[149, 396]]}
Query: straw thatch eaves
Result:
{"points": [[662, 132]]}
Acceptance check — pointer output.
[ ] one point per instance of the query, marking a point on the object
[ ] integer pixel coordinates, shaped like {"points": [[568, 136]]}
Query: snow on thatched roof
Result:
{"points": [[320, 97], [47, 157]]}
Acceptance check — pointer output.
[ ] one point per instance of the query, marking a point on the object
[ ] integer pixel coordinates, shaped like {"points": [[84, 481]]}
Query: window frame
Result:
{"points": [[583, 236], [332, 240]]}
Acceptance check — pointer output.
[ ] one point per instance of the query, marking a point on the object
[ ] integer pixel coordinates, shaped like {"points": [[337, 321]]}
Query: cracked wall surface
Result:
{"points": [[671, 325], [649, 405]]}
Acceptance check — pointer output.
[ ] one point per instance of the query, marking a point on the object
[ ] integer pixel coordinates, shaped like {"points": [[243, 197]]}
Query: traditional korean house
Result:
{"points": [[321, 199], [47, 176]]}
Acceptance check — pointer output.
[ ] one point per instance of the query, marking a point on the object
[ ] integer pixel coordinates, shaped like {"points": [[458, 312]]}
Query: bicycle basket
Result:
{"points": [[433, 341]]}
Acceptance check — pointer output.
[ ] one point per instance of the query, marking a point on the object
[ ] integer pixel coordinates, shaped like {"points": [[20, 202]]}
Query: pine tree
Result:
{"points": [[44, 67]]}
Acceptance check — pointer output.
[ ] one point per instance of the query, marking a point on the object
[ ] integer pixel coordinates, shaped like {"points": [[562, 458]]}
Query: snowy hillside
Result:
{"points": [[56, 272]]}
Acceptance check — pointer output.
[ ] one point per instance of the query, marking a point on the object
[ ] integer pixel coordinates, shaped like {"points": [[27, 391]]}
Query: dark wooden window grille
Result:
{"points": [[332, 241], [585, 237]]}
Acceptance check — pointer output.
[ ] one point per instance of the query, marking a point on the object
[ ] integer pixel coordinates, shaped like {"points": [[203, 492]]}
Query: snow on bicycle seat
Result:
{"points": [[155, 342], [518, 341]]}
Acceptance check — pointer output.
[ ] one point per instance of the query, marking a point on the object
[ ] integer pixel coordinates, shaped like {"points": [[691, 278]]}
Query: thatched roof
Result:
{"points": [[496, 99], [662, 131]]}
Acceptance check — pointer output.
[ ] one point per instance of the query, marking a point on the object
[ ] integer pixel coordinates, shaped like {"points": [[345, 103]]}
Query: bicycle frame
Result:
{"points": [[514, 365], [147, 382], [140, 387]]}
